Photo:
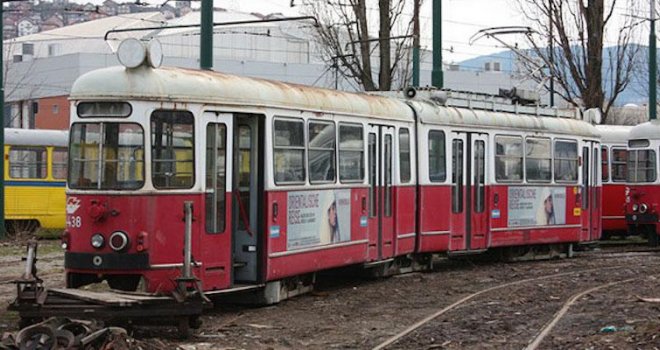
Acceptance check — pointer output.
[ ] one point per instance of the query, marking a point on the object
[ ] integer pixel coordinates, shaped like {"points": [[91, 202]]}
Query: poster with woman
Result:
{"points": [[536, 206], [318, 218]]}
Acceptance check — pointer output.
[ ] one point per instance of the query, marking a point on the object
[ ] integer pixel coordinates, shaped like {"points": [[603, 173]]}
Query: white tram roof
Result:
{"points": [[33, 137], [433, 113], [195, 86], [614, 133], [649, 131]]}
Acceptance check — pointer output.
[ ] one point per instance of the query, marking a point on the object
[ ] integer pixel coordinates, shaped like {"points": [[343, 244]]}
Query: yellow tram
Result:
{"points": [[35, 179]]}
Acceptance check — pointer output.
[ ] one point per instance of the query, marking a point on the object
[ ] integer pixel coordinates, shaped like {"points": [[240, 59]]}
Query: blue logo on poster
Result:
{"points": [[363, 221], [495, 214], [274, 231]]}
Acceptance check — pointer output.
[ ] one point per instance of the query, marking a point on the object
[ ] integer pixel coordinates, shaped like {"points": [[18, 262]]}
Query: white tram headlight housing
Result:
{"points": [[635, 207], [643, 208], [97, 241], [118, 241]]}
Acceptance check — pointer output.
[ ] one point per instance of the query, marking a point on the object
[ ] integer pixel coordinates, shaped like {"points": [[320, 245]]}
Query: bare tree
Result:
{"points": [[346, 42], [584, 75]]}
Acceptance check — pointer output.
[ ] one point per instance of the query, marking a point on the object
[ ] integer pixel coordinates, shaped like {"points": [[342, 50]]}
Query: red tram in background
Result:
{"points": [[614, 157], [274, 182], [643, 192]]}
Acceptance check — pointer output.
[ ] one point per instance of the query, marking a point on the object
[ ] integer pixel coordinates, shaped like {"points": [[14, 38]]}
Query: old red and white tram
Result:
{"points": [[643, 192], [614, 158], [284, 180]]}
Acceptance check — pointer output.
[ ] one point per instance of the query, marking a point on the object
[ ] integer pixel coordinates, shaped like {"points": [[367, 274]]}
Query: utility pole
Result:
{"points": [[2, 129], [653, 75], [552, 53], [437, 78], [415, 53], [206, 36]]}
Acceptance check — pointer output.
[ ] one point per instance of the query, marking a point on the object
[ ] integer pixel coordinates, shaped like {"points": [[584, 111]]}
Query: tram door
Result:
{"points": [[590, 195], [469, 218], [247, 195], [381, 197]]}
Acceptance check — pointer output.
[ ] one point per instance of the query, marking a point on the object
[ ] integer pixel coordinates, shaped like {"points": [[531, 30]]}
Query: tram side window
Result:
{"points": [[322, 146], [27, 163], [537, 160], [566, 161], [508, 159], [619, 164], [351, 153], [172, 149], [60, 161], [604, 164], [437, 154], [289, 151], [404, 155]]}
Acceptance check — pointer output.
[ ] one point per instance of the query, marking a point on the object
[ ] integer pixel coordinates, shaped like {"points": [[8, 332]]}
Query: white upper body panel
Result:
{"points": [[31, 137]]}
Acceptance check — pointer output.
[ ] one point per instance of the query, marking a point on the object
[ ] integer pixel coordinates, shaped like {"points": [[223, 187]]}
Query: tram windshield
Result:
{"points": [[106, 156], [641, 166]]}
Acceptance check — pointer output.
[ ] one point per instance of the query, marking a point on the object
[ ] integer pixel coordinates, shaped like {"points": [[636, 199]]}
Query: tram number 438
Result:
{"points": [[73, 221]]}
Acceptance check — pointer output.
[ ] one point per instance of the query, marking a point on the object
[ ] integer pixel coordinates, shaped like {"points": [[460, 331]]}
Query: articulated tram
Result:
{"points": [[274, 181]]}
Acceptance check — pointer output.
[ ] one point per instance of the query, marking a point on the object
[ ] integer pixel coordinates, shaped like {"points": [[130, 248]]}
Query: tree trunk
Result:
{"points": [[385, 76]]}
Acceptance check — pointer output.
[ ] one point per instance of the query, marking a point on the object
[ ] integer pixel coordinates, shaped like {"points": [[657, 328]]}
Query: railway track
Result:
{"points": [[588, 277]]}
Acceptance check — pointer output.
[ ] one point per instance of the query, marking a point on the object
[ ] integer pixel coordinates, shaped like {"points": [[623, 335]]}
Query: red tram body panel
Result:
{"points": [[282, 181]]}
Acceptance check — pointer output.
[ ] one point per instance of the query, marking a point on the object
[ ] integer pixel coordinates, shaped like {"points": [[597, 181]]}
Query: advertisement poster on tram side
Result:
{"points": [[536, 206], [318, 217]]}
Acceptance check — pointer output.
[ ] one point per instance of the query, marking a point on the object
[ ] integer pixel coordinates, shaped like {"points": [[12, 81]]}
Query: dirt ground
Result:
{"points": [[347, 312]]}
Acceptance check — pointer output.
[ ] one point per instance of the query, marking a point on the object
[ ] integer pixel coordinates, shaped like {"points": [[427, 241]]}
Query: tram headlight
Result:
{"points": [[635, 207], [643, 208], [97, 241], [118, 241]]}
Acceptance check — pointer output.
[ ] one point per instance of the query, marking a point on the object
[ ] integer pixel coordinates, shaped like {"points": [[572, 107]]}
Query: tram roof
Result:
{"points": [[195, 86], [649, 130], [432, 113], [614, 133], [33, 137]]}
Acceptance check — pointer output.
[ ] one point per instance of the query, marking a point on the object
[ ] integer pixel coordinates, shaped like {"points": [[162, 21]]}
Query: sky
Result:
{"points": [[461, 19]]}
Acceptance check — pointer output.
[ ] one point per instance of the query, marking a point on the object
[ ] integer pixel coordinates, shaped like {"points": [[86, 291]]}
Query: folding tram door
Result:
{"points": [[591, 206], [469, 217], [381, 198]]}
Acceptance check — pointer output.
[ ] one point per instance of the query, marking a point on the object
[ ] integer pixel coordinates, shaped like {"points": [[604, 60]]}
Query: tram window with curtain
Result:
{"points": [[437, 156], [322, 148], [172, 149], [566, 161], [216, 175], [508, 159], [27, 163], [351, 153], [289, 151], [404, 155], [60, 161], [619, 164], [604, 164], [538, 156]]}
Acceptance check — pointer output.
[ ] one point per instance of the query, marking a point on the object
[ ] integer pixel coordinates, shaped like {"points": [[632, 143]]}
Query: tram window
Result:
{"points": [[457, 177], [351, 153], [604, 164], [103, 109], [322, 146], [566, 161], [289, 151], [388, 175], [437, 160], [508, 159], [641, 165], [373, 175], [479, 176], [619, 164], [27, 162], [106, 156], [404, 155], [537, 160], [172, 149], [216, 155], [59, 163]]}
